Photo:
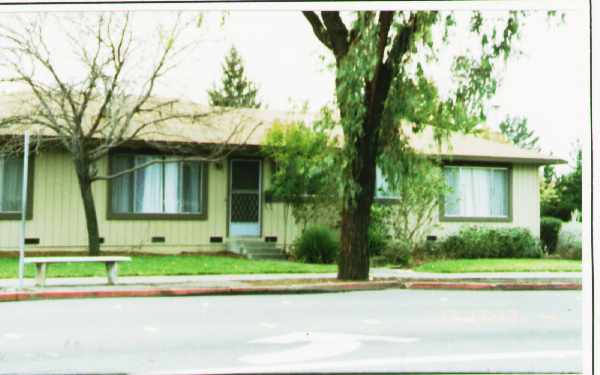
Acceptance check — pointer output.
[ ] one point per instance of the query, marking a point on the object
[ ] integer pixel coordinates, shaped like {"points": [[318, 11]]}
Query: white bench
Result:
{"points": [[41, 265]]}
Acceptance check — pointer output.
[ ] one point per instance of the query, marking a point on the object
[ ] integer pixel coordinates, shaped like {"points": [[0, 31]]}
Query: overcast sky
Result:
{"points": [[548, 84]]}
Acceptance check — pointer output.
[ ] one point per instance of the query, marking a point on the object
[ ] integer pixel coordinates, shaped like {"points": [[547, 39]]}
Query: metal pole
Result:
{"points": [[23, 209]]}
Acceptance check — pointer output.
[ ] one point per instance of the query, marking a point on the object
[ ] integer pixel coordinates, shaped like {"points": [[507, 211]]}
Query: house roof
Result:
{"points": [[250, 126]]}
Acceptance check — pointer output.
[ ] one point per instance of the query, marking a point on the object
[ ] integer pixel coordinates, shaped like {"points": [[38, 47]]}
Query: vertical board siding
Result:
{"points": [[59, 222], [58, 218], [525, 205]]}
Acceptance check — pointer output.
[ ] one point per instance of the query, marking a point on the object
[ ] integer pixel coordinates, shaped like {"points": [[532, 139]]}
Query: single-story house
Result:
{"points": [[204, 206]]}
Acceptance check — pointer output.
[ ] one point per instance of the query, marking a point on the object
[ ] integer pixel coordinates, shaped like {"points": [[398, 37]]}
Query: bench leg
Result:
{"points": [[40, 276], [111, 271]]}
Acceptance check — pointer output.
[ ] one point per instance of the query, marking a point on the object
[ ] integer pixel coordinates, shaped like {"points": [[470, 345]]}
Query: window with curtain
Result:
{"points": [[160, 188], [478, 192], [382, 187], [11, 182]]}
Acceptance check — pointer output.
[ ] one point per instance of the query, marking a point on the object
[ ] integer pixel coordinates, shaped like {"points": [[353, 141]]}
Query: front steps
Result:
{"points": [[255, 248]]}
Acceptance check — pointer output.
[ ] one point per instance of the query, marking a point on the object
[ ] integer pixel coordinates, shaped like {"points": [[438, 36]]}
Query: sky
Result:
{"points": [[548, 84]]}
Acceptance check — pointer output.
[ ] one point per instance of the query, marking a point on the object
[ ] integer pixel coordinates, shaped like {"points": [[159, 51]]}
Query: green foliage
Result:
{"points": [[305, 175], [516, 130], [569, 241], [418, 184], [549, 173], [549, 230], [317, 244], [378, 230], [398, 253], [483, 242], [413, 95], [563, 196], [236, 90]]}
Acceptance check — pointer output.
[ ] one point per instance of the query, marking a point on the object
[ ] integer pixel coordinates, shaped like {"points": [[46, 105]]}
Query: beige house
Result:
{"points": [[210, 206]]}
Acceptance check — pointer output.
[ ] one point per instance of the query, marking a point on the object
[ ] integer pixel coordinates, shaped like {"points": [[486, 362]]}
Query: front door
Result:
{"points": [[244, 198]]}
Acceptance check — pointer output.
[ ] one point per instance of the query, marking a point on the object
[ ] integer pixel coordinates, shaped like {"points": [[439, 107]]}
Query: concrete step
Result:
{"points": [[255, 248]]}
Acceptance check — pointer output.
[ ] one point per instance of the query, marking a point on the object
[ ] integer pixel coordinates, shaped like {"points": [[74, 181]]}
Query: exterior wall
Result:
{"points": [[525, 205], [58, 218]]}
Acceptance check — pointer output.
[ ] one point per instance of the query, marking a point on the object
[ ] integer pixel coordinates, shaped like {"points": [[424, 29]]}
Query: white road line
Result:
{"points": [[268, 325], [389, 363], [317, 346], [371, 321], [13, 336], [150, 329]]}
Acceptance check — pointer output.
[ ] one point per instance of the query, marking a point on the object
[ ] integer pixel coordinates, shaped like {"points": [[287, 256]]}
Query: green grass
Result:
{"points": [[155, 265], [500, 265]]}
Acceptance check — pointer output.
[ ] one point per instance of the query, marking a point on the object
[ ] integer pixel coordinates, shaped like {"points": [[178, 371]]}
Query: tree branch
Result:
{"points": [[318, 28], [338, 33]]}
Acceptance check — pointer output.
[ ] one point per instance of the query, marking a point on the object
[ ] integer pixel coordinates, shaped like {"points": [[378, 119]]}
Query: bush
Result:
{"points": [[549, 229], [426, 250], [317, 244], [481, 242], [398, 253], [569, 241]]}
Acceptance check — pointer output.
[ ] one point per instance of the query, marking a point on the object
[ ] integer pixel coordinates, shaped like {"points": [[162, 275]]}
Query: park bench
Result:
{"points": [[41, 265]]}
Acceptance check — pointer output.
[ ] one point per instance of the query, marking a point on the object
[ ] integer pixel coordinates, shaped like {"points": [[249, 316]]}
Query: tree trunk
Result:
{"points": [[85, 187], [353, 263]]}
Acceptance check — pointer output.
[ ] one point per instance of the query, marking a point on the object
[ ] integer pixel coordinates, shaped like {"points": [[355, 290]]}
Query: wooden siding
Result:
{"points": [[58, 218], [525, 204]]}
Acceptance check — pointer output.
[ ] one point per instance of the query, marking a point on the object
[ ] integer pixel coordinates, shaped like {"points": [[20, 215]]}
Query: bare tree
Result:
{"points": [[111, 106]]}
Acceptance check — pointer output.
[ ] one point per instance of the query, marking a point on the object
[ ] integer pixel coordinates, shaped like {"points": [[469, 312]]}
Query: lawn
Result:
{"points": [[152, 265], [500, 265]]}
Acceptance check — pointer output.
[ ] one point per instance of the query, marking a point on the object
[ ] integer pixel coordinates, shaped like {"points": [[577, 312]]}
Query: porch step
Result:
{"points": [[255, 248]]}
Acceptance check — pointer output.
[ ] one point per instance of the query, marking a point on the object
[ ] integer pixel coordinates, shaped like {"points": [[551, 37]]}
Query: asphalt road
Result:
{"points": [[392, 330]]}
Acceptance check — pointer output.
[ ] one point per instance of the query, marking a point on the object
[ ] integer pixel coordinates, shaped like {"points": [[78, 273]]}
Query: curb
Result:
{"points": [[293, 289]]}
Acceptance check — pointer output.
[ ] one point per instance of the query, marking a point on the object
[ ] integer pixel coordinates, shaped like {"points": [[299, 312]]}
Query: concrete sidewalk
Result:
{"points": [[381, 278], [236, 280]]}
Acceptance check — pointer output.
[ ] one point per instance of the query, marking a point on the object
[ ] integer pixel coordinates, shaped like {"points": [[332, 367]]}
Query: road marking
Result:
{"points": [[371, 321], [387, 363], [13, 336], [150, 329], [268, 325], [320, 345]]}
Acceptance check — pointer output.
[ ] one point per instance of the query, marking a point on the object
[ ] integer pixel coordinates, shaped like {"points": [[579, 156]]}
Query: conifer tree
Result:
{"points": [[236, 90]]}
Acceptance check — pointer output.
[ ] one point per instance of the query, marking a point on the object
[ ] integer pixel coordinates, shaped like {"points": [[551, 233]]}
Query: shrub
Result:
{"points": [[481, 242], [317, 244], [398, 253], [549, 229], [569, 241], [427, 250]]}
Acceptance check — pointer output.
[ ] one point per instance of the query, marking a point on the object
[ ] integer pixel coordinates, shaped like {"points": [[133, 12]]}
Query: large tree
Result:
{"points": [[517, 131], [235, 90], [95, 100], [384, 76]]}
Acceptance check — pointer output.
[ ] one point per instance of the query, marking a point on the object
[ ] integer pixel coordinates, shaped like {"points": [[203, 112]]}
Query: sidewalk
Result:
{"points": [[382, 278]]}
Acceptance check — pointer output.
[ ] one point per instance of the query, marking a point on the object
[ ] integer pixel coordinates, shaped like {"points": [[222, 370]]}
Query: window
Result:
{"points": [[382, 187], [11, 184], [477, 192], [176, 188]]}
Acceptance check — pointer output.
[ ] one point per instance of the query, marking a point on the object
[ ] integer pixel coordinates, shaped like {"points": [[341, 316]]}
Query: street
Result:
{"points": [[391, 330]]}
